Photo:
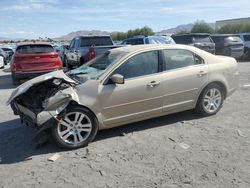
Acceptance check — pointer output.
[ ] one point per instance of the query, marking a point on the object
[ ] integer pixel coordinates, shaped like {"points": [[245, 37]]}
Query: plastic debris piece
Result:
{"points": [[184, 145], [246, 85], [240, 133], [102, 173], [54, 157], [171, 139]]}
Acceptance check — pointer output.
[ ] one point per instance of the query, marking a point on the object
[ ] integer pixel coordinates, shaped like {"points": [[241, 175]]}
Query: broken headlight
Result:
{"points": [[57, 81]]}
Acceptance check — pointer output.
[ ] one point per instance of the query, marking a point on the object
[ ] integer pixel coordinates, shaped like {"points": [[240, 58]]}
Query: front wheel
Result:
{"points": [[210, 100], [68, 66], [77, 128]]}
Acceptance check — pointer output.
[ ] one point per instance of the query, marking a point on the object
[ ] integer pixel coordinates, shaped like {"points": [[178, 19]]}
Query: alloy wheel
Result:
{"points": [[74, 128]]}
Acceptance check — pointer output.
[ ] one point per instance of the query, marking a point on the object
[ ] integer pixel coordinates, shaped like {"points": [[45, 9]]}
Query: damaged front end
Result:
{"points": [[41, 100]]}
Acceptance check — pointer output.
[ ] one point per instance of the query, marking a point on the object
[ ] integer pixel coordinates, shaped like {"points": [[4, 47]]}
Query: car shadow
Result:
{"points": [[6, 82], [17, 141], [147, 124]]}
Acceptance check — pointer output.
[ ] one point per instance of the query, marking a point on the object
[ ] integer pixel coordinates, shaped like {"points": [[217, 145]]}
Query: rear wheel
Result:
{"points": [[210, 100], [68, 66], [82, 61], [77, 128]]}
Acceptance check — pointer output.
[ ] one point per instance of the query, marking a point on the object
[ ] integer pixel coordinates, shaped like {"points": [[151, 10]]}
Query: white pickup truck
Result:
{"points": [[84, 48]]}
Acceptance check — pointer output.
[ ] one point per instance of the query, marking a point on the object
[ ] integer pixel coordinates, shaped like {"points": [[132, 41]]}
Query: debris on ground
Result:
{"points": [[184, 145], [171, 139], [54, 157], [240, 133], [123, 134], [102, 173], [246, 85]]}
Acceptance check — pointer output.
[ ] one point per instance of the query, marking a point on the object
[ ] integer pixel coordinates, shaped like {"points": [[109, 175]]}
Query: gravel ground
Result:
{"points": [[180, 150]]}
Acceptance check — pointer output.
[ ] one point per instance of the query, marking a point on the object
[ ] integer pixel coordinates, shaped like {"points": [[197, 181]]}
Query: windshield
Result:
{"points": [[202, 39], [246, 37], [95, 68], [34, 49], [96, 41], [233, 39]]}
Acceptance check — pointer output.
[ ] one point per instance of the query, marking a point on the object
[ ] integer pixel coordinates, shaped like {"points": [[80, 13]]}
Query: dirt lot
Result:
{"points": [[145, 154]]}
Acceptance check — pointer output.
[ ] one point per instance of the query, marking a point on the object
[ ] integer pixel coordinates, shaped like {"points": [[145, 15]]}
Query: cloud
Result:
{"points": [[15, 32], [29, 5]]}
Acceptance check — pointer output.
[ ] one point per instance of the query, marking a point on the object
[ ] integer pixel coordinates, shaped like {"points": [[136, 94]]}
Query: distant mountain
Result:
{"points": [[71, 35], [179, 28]]}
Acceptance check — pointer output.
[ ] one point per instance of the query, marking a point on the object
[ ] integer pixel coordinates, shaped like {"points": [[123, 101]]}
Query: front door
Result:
{"points": [[141, 94]]}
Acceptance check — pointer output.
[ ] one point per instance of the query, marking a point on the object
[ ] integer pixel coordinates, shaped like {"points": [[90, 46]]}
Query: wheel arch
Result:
{"points": [[74, 103], [220, 83]]}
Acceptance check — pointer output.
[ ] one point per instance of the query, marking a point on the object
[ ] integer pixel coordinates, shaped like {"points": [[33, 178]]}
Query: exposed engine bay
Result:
{"points": [[35, 98], [43, 98]]}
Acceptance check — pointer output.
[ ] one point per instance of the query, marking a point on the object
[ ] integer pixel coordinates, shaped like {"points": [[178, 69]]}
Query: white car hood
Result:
{"points": [[25, 86]]}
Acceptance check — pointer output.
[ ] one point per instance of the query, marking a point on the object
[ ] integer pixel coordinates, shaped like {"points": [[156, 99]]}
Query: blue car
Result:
{"points": [[148, 40]]}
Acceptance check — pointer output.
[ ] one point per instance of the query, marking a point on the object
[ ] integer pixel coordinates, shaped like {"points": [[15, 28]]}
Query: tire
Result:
{"points": [[64, 61], [15, 81], [81, 62], [77, 129], [210, 100], [68, 66]]}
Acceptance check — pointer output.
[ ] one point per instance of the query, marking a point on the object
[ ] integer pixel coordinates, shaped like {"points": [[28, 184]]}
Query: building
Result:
{"points": [[221, 23]]}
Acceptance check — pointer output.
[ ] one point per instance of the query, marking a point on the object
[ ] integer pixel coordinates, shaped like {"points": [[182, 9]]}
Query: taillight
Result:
{"points": [[54, 55], [91, 53], [16, 65]]}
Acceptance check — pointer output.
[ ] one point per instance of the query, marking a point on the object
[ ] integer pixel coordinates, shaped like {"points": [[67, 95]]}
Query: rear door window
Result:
{"points": [[246, 37], [202, 39], [34, 49], [135, 41], [178, 58], [233, 39]]}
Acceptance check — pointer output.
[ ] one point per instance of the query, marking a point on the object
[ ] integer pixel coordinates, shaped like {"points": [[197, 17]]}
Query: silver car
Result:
{"points": [[122, 86]]}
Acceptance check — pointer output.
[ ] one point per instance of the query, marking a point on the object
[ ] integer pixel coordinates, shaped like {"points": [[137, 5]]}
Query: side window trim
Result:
{"points": [[164, 68], [160, 67]]}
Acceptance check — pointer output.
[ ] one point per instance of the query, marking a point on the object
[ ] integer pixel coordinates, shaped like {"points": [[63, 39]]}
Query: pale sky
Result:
{"points": [[53, 18]]}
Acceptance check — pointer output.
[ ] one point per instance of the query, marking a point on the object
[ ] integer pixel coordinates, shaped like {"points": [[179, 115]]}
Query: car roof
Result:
{"points": [[33, 43], [192, 34], [91, 36], [225, 35], [134, 48]]}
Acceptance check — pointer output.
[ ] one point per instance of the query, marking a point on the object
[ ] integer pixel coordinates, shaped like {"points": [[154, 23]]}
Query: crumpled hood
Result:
{"points": [[25, 86]]}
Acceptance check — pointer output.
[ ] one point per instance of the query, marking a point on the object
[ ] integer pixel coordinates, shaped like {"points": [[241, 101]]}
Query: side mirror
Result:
{"points": [[117, 79]]}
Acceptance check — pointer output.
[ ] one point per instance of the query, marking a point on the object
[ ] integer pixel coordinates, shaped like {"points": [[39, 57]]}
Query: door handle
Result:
{"points": [[153, 84], [201, 73]]}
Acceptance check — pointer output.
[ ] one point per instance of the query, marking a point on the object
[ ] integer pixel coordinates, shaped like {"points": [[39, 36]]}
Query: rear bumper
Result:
{"points": [[29, 75]]}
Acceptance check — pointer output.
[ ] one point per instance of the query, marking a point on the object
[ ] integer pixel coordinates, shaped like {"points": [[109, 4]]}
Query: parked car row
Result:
{"points": [[234, 45]]}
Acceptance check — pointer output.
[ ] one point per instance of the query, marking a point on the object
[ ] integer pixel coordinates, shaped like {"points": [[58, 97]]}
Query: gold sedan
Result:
{"points": [[122, 86]]}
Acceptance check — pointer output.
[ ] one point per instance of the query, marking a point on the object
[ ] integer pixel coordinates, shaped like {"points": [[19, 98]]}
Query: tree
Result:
{"points": [[234, 28], [202, 27], [183, 31], [131, 33]]}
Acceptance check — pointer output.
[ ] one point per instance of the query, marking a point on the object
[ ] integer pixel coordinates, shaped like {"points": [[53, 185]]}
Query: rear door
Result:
{"points": [[184, 76]]}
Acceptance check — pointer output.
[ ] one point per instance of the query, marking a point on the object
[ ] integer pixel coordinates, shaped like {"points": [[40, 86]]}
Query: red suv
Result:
{"points": [[34, 59]]}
